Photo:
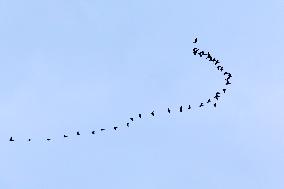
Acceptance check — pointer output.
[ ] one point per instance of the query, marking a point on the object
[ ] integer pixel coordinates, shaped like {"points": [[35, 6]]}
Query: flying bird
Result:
{"points": [[140, 115], [195, 50], [215, 105], [195, 40], [102, 129], [11, 139], [29, 140], [224, 90], [217, 62], [78, 133], [65, 136], [153, 113], [48, 139], [180, 109], [209, 100], [127, 124], [221, 69], [189, 107], [115, 128], [228, 83], [131, 119], [93, 132], [169, 110], [201, 105]]}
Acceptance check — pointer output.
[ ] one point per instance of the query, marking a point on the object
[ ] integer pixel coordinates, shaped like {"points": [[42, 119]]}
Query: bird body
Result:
{"points": [[93, 132], [215, 105], [131, 119], [102, 129], [65, 136], [201, 105], [169, 110], [189, 107], [224, 90], [180, 109], [127, 124], [195, 40], [78, 133], [115, 128], [153, 114], [140, 115], [11, 139], [209, 100]]}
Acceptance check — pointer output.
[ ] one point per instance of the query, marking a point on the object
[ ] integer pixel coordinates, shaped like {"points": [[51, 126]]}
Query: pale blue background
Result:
{"points": [[83, 65]]}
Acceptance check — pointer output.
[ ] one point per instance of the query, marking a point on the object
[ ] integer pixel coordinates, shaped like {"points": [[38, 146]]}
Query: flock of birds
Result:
{"points": [[196, 51]]}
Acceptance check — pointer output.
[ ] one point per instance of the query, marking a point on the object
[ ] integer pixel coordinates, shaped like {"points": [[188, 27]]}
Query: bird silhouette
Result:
{"points": [[140, 115], [217, 62], [48, 139], [102, 129], [218, 67], [228, 83], [189, 107], [11, 139], [29, 140], [65, 136], [209, 100], [229, 75], [153, 113], [209, 56], [169, 110], [224, 90], [201, 53], [195, 40], [215, 105], [127, 124], [78, 133], [221, 69], [115, 128], [201, 105], [131, 119], [93, 132], [180, 109], [217, 96]]}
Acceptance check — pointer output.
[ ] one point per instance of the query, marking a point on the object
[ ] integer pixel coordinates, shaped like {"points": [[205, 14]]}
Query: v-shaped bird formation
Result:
{"points": [[216, 98]]}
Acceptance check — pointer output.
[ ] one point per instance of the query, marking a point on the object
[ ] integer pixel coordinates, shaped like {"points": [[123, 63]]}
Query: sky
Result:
{"points": [[68, 66]]}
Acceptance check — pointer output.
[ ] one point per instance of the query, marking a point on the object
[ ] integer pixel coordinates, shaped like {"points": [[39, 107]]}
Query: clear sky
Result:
{"points": [[68, 66]]}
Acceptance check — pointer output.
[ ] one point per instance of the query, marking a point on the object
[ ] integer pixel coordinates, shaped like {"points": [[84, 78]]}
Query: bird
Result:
{"points": [[209, 56], [115, 128], [153, 113], [65, 136], [169, 110], [131, 119], [140, 115], [180, 109], [221, 69], [29, 140], [195, 40], [93, 132], [11, 139], [102, 129], [209, 100], [48, 139], [78, 133], [189, 107], [228, 83], [201, 105], [195, 50], [229, 74], [217, 62], [215, 105], [218, 67], [127, 124], [217, 97], [224, 90]]}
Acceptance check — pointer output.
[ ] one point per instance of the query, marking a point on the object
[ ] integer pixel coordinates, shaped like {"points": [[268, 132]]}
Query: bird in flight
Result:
{"points": [[153, 113], [102, 129], [127, 124], [29, 140], [215, 105], [78, 133], [115, 128], [195, 40], [224, 90], [11, 139], [169, 110], [209, 100], [195, 50], [201, 105], [48, 139], [140, 115], [180, 109], [131, 119], [189, 107], [93, 132], [228, 83], [217, 96], [65, 136], [217, 62]]}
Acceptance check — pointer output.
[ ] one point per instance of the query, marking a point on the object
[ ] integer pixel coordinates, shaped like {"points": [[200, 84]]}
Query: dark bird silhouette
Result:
{"points": [[228, 83], [221, 69], [93, 132], [78, 133], [218, 67], [217, 62], [209, 56], [131, 119], [209, 100], [48, 139], [65, 136], [189, 107], [169, 110], [29, 140], [11, 139], [195, 40], [102, 129], [195, 50], [201, 105], [217, 96], [213, 60], [127, 124], [201, 53], [180, 109], [229, 75], [115, 128], [140, 115], [215, 105], [224, 90], [153, 113]]}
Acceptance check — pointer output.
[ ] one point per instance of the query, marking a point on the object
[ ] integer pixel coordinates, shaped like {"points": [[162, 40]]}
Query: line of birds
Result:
{"points": [[217, 95]]}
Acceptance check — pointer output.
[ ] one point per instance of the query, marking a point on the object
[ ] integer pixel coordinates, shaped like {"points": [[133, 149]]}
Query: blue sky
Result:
{"points": [[68, 66]]}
